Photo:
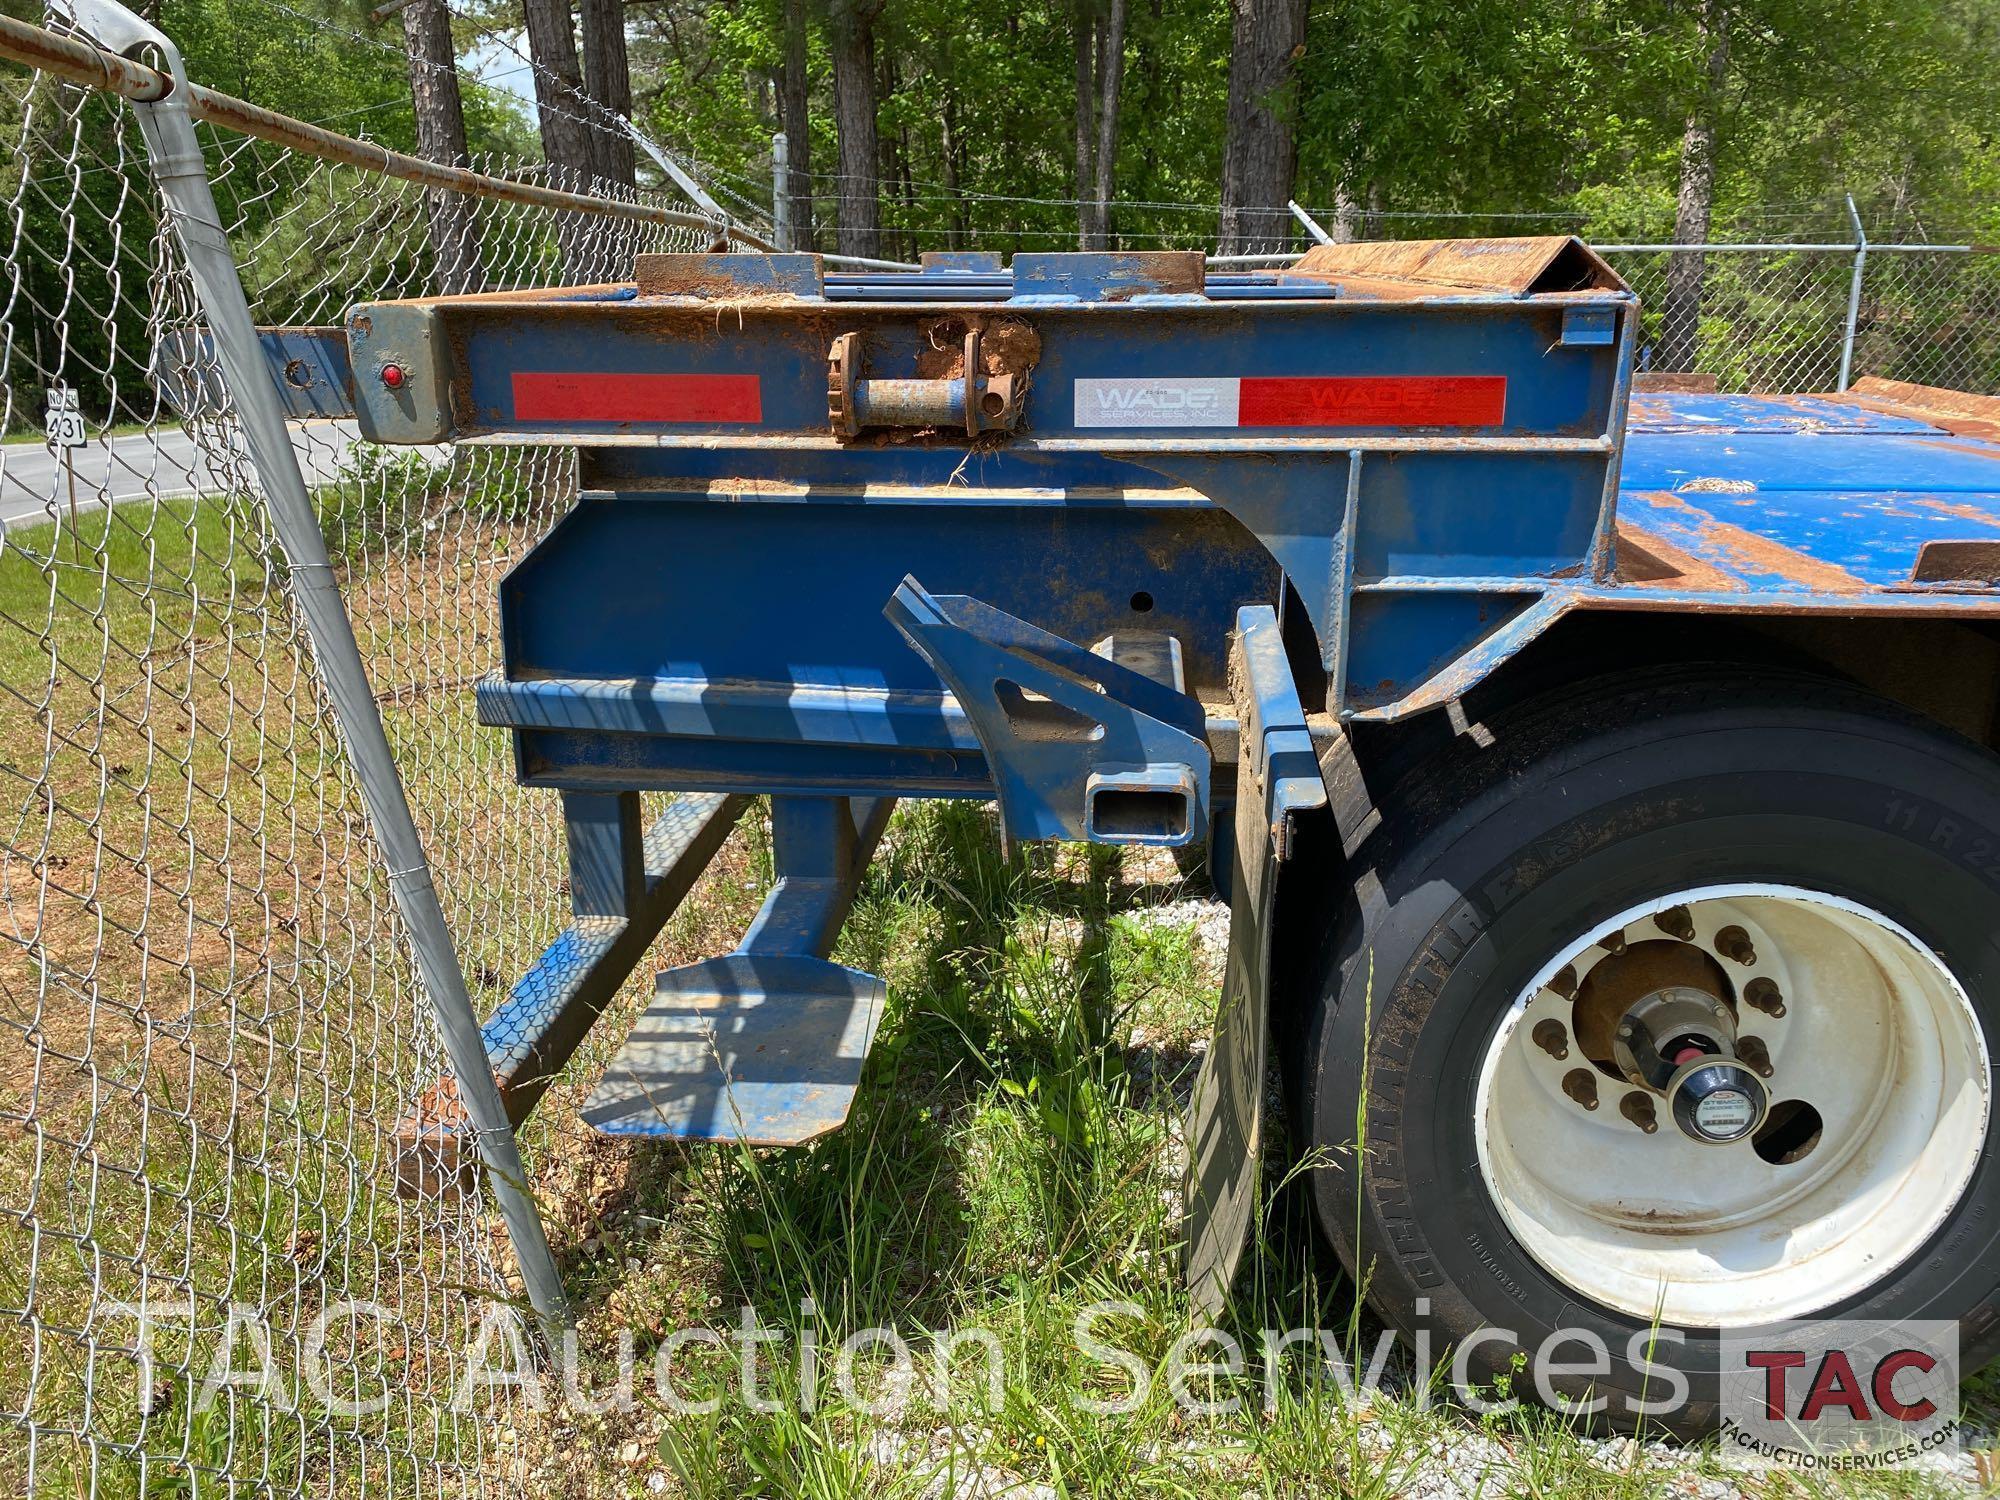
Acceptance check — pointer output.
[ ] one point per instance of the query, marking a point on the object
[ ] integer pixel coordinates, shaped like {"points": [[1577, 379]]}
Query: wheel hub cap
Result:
{"points": [[1822, 1077]]}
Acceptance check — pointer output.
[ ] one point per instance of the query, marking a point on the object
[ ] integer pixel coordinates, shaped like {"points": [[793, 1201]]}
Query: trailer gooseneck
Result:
{"points": [[1661, 963]]}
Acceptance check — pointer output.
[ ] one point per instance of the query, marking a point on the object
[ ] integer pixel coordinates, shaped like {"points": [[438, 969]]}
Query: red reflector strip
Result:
{"points": [[1372, 401], [569, 396]]}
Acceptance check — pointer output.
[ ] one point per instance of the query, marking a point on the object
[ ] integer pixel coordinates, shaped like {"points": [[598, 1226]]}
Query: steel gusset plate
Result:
{"points": [[1059, 725]]}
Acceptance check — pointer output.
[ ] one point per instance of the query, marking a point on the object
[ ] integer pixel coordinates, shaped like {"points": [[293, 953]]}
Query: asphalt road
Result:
{"points": [[144, 464]]}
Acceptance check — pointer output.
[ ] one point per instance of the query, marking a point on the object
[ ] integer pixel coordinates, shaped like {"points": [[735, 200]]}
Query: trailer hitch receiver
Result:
{"points": [[1078, 746]]}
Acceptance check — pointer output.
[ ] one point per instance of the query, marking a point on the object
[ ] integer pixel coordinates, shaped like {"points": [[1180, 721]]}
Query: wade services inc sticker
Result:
{"points": [[1840, 1395]]}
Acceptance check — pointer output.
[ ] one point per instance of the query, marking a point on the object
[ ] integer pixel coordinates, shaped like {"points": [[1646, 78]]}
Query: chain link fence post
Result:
{"points": [[781, 196], [1853, 294], [182, 178]]}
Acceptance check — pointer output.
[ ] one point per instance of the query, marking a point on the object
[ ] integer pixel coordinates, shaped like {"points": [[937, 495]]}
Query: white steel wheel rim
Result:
{"points": [[1877, 1036]]}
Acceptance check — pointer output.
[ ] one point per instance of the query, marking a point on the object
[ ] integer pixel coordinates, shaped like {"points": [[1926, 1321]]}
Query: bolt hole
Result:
{"points": [[297, 374], [1789, 1133], [1142, 603], [992, 403]]}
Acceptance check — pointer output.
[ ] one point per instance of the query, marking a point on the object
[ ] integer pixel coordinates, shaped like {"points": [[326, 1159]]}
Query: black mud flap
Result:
{"points": [[1277, 778]]}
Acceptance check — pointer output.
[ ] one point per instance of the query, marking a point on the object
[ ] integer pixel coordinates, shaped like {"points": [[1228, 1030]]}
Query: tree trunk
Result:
{"points": [[1260, 155], [1680, 310], [795, 119], [1086, 119], [559, 91], [608, 71], [1346, 215], [454, 228], [959, 236], [852, 24], [1110, 75]]}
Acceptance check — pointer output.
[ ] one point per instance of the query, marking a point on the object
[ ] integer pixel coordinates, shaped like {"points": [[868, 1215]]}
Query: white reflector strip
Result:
{"points": [[1169, 401]]}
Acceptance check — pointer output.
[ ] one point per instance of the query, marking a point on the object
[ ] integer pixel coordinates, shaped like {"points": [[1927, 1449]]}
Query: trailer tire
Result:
{"points": [[1591, 803]]}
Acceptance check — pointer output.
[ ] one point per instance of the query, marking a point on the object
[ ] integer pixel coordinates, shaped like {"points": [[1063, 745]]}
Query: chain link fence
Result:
{"points": [[1782, 319], [209, 1025]]}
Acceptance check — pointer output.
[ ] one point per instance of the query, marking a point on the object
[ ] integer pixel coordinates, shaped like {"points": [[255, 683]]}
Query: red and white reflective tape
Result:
{"points": [[1294, 401]]}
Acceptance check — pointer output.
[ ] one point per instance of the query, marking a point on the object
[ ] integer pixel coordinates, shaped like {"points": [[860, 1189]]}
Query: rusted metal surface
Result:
{"points": [[1740, 551], [1647, 560], [1975, 562], [1766, 505], [1110, 276], [1665, 409], [729, 278], [1957, 412], [1518, 267], [80, 62], [1616, 984], [1690, 382]]}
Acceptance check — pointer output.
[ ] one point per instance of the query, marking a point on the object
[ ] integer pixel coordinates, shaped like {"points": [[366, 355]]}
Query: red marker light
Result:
{"points": [[392, 377]]}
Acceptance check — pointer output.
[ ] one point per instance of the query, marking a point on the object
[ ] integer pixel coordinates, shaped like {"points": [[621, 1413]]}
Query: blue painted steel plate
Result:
{"points": [[1687, 411], [1800, 494]]}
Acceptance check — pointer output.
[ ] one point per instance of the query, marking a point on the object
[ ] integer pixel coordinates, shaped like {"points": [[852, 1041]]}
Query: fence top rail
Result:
{"points": [[82, 62], [1844, 247]]}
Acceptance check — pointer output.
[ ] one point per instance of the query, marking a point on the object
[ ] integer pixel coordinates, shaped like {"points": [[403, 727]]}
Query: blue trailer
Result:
{"points": [[1603, 783]]}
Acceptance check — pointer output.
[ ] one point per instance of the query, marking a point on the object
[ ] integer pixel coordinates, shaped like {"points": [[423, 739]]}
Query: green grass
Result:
{"points": [[1011, 1161]]}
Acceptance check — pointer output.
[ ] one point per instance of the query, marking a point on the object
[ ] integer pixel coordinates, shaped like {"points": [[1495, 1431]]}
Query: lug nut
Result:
{"points": [[1551, 1037], [1751, 1049], [1763, 994], [1581, 1085], [1614, 944], [1676, 923], [1734, 942], [1564, 982], [1638, 1108]]}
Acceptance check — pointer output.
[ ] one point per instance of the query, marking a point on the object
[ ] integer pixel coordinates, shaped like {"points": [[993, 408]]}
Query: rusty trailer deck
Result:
{"points": [[1849, 499]]}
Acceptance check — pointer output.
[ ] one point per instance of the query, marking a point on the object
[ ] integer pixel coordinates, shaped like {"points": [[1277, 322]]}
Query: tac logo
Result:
{"points": [[1841, 1394]]}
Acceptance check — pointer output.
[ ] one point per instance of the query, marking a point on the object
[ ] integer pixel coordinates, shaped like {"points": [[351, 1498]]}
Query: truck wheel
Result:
{"points": [[1791, 886]]}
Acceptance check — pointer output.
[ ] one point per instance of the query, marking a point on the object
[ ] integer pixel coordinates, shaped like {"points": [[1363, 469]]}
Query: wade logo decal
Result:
{"points": [[1165, 402], [1279, 401]]}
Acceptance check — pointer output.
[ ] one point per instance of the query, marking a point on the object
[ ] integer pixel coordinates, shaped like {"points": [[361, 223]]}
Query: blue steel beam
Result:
{"points": [[549, 1011], [1279, 782], [1095, 737], [623, 899]]}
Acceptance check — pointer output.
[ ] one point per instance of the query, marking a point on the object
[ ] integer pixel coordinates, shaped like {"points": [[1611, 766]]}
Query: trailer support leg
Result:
{"points": [[763, 1046]]}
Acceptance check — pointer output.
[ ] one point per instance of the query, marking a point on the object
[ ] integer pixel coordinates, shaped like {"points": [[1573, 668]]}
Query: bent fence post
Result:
{"points": [[1853, 294], [182, 178]]}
